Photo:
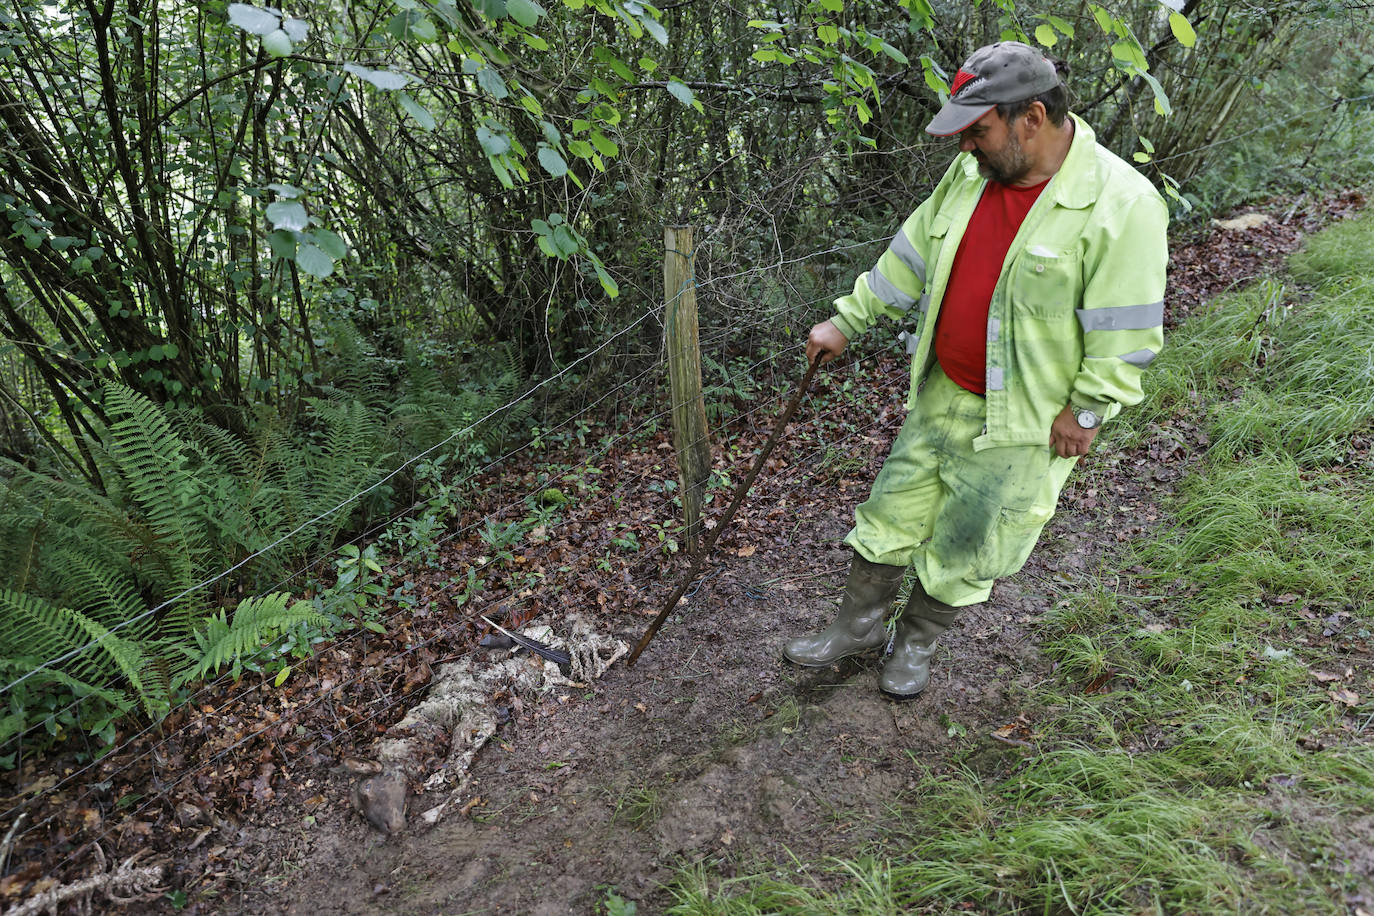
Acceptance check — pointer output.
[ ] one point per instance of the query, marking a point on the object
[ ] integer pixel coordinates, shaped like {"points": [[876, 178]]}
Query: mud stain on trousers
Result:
{"points": [[962, 518]]}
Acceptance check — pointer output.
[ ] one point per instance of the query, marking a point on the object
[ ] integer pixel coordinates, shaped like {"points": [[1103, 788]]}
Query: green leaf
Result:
{"points": [[493, 144], [281, 677], [285, 191], [492, 9], [828, 34], [283, 244], [412, 108], [1044, 34], [1141, 157], [552, 161], [253, 20], [532, 105], [1148, 146], [834, 6], [330, 243], [277, 43], [525, 12], [502, 174], [424, 29], [382, 79], [655, 29], [894, 53], [1104, 19], [412, 24], [1161, 100], [564, 240], [1129, 53], [1063, 26], [1182, 29], [681, 91], [287, 214], [620, 68], [604, 145], [491, 83], [648, 64], [607, 282], [314, 261]]}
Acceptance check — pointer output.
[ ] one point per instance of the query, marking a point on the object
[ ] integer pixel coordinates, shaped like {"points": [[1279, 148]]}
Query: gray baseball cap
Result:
{"points": [[1008, 71]]}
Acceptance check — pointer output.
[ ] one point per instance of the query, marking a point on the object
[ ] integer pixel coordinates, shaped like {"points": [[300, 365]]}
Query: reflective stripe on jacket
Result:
{"points": [[1078, 311]]}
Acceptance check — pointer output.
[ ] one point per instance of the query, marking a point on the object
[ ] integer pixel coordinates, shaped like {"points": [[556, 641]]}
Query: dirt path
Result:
{"points": [[713, 750], [708, 749]]}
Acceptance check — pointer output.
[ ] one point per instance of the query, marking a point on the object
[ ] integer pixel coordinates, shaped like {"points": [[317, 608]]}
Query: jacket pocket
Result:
{"points": [[1045, 284]]}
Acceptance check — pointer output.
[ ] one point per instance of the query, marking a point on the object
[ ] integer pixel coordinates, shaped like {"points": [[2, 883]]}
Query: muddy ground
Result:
{"points": [[709, 749]]}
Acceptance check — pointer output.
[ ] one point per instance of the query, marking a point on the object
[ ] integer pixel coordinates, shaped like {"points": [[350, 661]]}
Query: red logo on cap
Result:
{"points": [[960, 78]]}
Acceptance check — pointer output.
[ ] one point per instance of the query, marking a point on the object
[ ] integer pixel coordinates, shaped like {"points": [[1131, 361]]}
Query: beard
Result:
{"points": [[1005, 166]]}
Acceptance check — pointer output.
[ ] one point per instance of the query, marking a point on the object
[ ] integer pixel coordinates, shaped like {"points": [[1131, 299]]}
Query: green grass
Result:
{"points": [[1218, 774]]}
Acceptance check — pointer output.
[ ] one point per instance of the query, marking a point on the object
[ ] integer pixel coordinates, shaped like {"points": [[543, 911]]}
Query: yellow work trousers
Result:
{"points": [[962, 518]]}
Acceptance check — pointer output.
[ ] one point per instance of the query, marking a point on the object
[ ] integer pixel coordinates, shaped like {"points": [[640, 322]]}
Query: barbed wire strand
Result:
{"points": [[803, 470], [743, 372]]}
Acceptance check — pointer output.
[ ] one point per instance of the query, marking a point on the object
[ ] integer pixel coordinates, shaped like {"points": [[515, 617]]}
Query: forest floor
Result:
{"points": [[710, 753]]}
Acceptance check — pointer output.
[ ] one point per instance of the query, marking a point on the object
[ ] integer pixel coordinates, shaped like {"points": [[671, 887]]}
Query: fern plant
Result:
{"points": [[223, 640]]}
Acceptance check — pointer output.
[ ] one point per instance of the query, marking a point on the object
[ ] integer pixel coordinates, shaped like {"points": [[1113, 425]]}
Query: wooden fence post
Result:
{"points": [[691, 440]]}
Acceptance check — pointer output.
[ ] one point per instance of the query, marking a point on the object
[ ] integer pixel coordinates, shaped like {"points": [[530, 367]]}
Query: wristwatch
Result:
{"points": [[1086, 418]]}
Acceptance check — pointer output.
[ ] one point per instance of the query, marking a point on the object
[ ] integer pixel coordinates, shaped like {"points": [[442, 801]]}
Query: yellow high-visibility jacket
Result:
{"points": [[1078, 311]]}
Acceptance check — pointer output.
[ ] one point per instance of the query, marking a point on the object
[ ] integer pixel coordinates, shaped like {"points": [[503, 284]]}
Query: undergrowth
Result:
{"points": [[1225, 766], [114, 601]]}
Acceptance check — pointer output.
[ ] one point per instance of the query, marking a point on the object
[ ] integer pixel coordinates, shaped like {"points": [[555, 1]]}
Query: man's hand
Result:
{"points": [[1067, 438], [825, 338]]}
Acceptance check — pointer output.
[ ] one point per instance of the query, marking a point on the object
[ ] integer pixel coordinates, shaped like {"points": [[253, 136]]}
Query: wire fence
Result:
{"points": [[83, 786]]}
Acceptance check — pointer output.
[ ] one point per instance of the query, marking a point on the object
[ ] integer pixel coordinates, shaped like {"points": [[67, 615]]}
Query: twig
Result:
{"points": [[125, 884], [7, 844]]}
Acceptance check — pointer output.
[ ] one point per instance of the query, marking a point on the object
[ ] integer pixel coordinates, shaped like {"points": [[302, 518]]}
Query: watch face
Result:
{"points": [[1087, 419]]}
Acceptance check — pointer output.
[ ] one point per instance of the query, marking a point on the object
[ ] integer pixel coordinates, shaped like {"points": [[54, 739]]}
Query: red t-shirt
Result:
{"points": [[961, 334]]}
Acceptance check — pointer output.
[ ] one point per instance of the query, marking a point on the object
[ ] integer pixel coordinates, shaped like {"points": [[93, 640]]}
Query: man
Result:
{"points": [[1033, 276]]}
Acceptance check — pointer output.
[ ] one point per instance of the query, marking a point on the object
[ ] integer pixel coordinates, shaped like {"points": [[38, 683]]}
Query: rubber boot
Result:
{"points": [[858, 627], [907, 671]]}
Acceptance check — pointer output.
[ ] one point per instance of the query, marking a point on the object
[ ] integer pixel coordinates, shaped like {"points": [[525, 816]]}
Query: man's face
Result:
{"points": [[996, 147]]}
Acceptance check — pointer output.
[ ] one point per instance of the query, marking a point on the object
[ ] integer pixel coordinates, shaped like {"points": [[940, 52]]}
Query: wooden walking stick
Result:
{"points": [[729, 513]]}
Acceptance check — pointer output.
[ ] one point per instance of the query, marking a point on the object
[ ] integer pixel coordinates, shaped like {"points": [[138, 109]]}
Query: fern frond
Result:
{"points": [[101, 592], [151, 462], [256, 623], [75, 515], [34, 627]]}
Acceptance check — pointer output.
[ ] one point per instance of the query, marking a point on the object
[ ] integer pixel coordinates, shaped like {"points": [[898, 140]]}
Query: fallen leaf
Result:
{"points": [[1325, 677], [746, 551], [1345, 696]]}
